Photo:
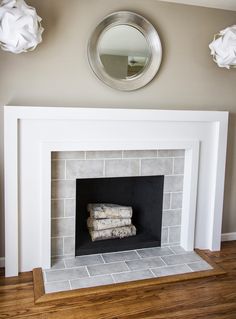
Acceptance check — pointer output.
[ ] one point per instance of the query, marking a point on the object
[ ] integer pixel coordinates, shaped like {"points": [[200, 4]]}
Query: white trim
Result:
{"points": [[29, 128], [228, 236], [2, 262]]}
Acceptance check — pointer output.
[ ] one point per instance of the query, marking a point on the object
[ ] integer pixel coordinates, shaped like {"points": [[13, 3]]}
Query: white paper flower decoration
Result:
{"points": [[223, 48], [20, 27]]}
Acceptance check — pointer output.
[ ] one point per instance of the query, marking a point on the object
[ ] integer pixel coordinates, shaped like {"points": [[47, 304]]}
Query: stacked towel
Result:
{"points": [[108, 221]]}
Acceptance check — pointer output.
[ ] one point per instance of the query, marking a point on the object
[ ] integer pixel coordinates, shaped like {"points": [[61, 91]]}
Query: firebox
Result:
{"points": [[143, 193]]}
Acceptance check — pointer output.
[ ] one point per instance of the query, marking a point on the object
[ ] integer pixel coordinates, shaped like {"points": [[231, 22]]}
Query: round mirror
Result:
{"points": [[125, 51]]}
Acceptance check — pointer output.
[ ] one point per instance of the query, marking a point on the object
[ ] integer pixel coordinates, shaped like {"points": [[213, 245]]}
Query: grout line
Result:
{"points": [[64, 262], [171, 200], [153, 272], [113, 279], [189, 267], [58, 237], [168, 236], [104, 262], [65, 168], [64, 208], [86, 267], [172, 209], [171, 226], [138, 254], [173, 192], [164, 260], [172, 250]]}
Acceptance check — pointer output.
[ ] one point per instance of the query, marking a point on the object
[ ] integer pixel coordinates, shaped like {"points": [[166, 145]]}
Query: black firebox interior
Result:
{"points": [[143, 193]]}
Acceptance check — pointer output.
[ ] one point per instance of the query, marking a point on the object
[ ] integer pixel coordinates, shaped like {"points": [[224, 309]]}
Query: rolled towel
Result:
{"points": [[100, 224], [104, 211], [118, 232]]}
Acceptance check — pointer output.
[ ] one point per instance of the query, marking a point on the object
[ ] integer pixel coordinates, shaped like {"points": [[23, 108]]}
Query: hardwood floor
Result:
{"points": [[213, 298]]}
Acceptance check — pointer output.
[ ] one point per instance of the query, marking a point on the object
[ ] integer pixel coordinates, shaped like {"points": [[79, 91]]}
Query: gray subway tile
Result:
{"points": [[174, 234], [84, 169], [176, 200], [166, 200], [125, 167], [178, 250], [66, 274], [92, 281], [57, 286], [69, 207], [181, 259], [171, 153], [58, 169], [145, 263], [63, 227], [171, 270], [84, 261], [200, 266], [173, 183], [57, 264], [155, 251], [158, 166], [57, 208], [63, 189], [132, 275], [179, 166], [56, 246], [171, 218], [68, 155], [69, 245], [140, 154], [120, 256], [107, 268], [103, 154]]}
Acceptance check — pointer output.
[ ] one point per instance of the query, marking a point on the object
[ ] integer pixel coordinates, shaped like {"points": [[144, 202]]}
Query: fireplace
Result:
{"points": [[92, 167], [43, 130], [143, 193]]}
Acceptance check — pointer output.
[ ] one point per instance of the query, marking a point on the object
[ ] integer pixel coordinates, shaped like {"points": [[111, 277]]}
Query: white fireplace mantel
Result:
{"points": [[32, 133]]}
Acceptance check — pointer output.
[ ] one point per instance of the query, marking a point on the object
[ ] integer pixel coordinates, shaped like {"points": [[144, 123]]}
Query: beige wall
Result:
{"points": [[58, 73]]}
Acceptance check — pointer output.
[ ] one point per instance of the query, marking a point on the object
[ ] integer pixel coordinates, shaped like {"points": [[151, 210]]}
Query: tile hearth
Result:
{"points": [[111, 268]]}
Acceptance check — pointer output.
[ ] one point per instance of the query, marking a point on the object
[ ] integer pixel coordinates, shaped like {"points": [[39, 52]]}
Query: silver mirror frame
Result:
{"points": [[153, 41]]}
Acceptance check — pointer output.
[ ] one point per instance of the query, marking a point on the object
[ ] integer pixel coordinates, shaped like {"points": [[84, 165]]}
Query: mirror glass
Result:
{"points": [[123, 51]]}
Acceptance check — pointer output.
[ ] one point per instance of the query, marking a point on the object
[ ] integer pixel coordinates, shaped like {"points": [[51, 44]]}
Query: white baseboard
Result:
{"points": [[228, 236], [2, 262]]}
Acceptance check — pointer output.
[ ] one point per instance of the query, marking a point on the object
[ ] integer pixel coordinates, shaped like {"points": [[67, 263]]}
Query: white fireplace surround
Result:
{"points": [[32, 133]]}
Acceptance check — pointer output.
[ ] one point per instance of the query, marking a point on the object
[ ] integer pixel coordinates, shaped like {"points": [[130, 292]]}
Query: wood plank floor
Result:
{"points": [[213, 297]]}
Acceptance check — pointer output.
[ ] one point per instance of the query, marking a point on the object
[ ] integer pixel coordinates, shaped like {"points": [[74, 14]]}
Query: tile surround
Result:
{"points": [[111, 268], [67, 166]]}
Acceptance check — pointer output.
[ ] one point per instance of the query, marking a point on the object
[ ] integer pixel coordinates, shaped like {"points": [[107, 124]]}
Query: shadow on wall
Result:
{"points": [[229, 198], [2, 232]]}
